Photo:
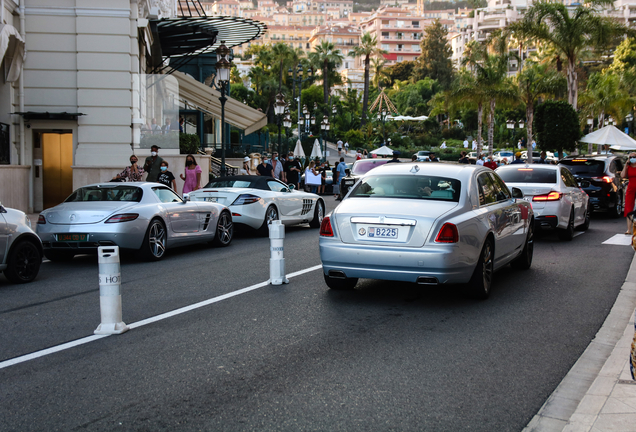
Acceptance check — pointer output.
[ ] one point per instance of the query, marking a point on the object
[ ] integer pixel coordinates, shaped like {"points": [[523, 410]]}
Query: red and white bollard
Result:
{"points": [[277, 260], [110, 292]]}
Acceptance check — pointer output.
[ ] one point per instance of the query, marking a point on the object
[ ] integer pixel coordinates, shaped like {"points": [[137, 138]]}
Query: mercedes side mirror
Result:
{"points": [[186, 198]]}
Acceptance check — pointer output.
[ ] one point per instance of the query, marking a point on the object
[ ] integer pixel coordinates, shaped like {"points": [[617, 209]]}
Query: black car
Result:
{"points": [[600, 177], [359, 168]]}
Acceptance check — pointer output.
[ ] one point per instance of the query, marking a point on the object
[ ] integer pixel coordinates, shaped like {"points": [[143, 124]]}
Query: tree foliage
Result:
{"points": [[435, 60], [557, 126]]}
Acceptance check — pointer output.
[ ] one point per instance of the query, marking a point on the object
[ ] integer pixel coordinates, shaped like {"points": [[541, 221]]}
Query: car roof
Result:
{"points": [[257, 182], [457, 171], [526, 166]]}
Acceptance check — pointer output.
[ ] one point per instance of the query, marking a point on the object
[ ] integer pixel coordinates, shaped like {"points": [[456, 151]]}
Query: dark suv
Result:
{"points": [[600, 177]]}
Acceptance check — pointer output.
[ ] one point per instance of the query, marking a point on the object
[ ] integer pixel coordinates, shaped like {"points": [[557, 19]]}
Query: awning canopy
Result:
{"points": [[206, 99], [186, 36], [12, 51], [610, 135]]}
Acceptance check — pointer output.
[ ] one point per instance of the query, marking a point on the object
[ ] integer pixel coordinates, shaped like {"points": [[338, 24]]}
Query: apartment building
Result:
{"points": [[398, 33], [224, 8], [307, 19], [344, 37], [344, 7]]}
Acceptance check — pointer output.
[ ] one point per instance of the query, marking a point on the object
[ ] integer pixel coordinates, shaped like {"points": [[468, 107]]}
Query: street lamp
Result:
{"points": [[279, 110], [324, 126], [287, 124], [223, 66], [296, 77]]}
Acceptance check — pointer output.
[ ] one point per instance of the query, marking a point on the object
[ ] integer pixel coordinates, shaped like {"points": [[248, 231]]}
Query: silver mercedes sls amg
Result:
{"points": [[148, 217]]}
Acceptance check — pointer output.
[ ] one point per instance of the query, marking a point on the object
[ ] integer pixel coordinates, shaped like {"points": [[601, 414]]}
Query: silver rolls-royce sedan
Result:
{"points": [[429, 224], [148, 217]]}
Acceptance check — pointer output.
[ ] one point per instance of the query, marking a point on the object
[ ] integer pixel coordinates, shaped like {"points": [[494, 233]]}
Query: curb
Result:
{"points": [[557, 412]]}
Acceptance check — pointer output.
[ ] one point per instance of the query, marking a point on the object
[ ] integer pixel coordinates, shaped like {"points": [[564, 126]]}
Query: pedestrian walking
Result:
{"points": [[346, 147], [339, 144], [396, 154], [152, 164], [131, 173], [322, 171], [474, 145], [277, 166], [166, 177], [342, 173], [336, 180], [365, 154], [192, 178], [480, 160], [466, 143], [358, 155], [629, 173], [265, 169], [245, 169], [443, 146], [310, 174], [292, 170]]}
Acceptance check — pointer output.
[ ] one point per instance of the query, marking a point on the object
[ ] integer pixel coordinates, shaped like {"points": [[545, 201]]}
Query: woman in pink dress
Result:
{"points": [[192, 177]]}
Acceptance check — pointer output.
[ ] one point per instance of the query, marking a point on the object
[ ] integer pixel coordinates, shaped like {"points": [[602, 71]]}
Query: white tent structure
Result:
{"points": [[383, 151], [315, 150], [612, 136], [298, 150], [402, 118]]}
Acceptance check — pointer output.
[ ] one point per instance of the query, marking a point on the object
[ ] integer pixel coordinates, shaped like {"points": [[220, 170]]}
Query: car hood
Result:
{"points": [[413, 218], [85, 212]]}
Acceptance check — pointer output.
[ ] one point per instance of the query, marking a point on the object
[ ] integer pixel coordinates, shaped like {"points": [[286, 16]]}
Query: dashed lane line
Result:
{"points": [[88, 339]]}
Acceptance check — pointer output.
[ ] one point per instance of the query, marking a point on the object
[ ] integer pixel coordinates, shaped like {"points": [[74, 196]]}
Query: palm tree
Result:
{"points": [[368, 48], [491, 76], [282, 56], [605, 95], [326, 57], [569, 32], [379, 71], [533, 81], [466, 89]]}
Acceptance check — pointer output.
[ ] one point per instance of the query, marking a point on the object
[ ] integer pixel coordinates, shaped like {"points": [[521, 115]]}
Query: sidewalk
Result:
{"points": [[598, 394]]}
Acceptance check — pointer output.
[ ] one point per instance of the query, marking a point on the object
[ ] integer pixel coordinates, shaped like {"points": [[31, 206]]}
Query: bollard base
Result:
{"points": [[111, 328], [279, 281]]}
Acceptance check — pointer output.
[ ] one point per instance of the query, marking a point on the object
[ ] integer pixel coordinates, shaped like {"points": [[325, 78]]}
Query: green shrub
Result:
{"points": [[189, 143]]}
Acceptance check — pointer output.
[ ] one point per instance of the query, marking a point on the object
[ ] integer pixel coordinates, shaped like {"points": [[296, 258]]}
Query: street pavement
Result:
{"points": [[388, 356]]}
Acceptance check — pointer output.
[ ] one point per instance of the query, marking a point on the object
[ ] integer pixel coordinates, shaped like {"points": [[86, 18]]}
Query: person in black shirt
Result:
{"points": [[432, 158], [265, 169], [165, 177], [396, 154], [292, 170], [464, 159]]}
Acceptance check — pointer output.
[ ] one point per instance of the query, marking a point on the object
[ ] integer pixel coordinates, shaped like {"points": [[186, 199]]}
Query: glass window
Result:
{"points": [[106, 193], [568, 178], [585, 167], [528, 175], [503, 193], [276, 186], [166, 195], [486, 189], [411, 187]]}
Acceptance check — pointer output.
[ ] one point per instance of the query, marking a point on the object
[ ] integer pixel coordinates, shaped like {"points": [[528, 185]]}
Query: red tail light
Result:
{"points": [[604, 179], [124, 217], [552, 196], [41, 219], [448, 234], [325, 228]]}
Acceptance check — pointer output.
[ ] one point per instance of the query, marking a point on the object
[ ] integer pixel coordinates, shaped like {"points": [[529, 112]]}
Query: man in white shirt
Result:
{"points": [[480, 160], [339, 144], [346, 147], [465, 143], [474, 145], [443, 146]]}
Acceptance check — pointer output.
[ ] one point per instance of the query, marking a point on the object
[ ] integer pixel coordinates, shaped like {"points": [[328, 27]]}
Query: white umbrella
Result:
{"points": [[315, 150], [610, 135], [298, 150], [383, 151]]}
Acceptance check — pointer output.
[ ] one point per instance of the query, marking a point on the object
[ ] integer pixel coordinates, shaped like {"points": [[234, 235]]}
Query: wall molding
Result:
{"points": [[77, 12]]}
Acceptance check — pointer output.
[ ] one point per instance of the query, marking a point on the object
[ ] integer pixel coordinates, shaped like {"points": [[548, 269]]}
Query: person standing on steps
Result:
{"points": [[152, 165]]}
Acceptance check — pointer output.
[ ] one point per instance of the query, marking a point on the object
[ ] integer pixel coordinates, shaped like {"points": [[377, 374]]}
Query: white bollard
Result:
{"points": [[276, 260], [110, 291]]}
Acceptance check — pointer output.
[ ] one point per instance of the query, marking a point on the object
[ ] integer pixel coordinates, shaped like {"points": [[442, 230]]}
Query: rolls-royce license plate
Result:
{"points": [[378, 232], [211, 199]]}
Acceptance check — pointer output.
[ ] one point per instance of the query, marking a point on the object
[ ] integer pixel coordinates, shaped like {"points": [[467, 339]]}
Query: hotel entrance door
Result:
{"points": [[57, 174]]}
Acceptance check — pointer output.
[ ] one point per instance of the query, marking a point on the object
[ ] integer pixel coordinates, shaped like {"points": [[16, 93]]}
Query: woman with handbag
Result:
{"points": [[629, 172]]}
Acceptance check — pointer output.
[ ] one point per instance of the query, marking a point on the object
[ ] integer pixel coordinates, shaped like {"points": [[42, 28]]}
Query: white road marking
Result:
{"points": [[619, 239], [150, 320]]}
